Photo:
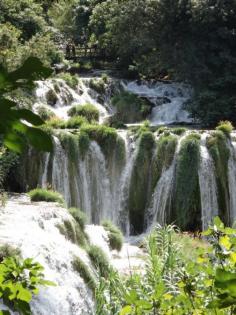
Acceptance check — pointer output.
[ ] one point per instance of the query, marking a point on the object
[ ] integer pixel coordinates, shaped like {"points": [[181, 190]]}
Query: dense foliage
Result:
{"points": [[181, 276]]}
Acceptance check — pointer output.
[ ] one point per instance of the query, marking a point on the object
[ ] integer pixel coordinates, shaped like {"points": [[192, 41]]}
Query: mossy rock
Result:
{"points": [[51, 97], [186, 200]]}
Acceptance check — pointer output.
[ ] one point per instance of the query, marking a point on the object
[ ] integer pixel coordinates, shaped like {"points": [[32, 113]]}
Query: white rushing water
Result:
{"points": [[57, 96], [232, 181], [168, 100], [32, 227], [207, 183]]}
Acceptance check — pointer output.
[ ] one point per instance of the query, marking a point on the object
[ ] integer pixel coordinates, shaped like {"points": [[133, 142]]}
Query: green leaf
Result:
{"points": [[39, 139], [127, 310], [4, 312], [14, 142], [218, 223], [29, 117], [24, 295]]}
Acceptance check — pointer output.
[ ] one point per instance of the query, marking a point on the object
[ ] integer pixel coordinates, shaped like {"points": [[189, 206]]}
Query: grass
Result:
{"points": [[84, 272], [72, 123], [115, 235], [99, 260], [40, 194], [89, 111], [84, 142], [179, 130], [79, 216], [73, 232], [226, 127]]}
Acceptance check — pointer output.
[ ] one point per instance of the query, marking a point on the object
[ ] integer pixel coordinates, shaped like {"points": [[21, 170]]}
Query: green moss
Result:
{"points": [[179, 130], [226, 127], [217, 146], [45, 113], [79, 217], [187, 205], [70, 79], [69, 142], [130, 107], [99, 259], [138, 193], [106, 137], [73, 232], [89, 111], [40, 194], [115, 236], [84, 142], [166, 147], [162, 129], [75, 122], [84, 272]]}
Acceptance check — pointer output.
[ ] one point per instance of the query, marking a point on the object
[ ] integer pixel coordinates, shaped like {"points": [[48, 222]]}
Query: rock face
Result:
{"points": [[32, 227]]}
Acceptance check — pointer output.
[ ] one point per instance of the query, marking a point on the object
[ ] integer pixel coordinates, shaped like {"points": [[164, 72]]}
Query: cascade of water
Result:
{"points": [[232, 181], [60, 176], [207, 183], [33, 229], [94, 185], [44, 181], [161, 197], [64, 97], [124, 187], [168, 100]]}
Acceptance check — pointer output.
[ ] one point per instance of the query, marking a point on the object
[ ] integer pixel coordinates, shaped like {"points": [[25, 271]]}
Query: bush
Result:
{"points": [[85, 273], [70, 79], [45, 113], [130, 107], [89, 111], [79, 216], [99, 260], [226, 127], [40, 194], [115, 236]]}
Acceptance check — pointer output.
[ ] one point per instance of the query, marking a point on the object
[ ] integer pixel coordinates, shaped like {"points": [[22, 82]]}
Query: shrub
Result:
{"points": [[79, 216], [40, 194], [70, 79], [45, 113], [130, 107], [89, 111], [115, 236], [85, 273], [99, 260], [226, 127]]}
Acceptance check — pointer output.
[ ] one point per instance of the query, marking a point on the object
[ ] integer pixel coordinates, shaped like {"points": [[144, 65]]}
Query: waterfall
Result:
{"points": [[33, 229], [60, 176], [232, 181], [44, 179], [207, 183], [161, 197], [168, 100]]}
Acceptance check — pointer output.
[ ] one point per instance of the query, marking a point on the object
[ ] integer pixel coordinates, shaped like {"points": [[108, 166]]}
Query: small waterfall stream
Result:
{"points": [[207, 183], [232, 180]]}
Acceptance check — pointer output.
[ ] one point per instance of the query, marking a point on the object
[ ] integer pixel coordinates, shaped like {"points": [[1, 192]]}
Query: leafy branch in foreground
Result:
{"points": [[19, 281], [16, 124]]}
